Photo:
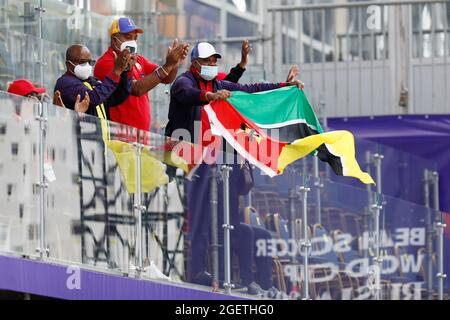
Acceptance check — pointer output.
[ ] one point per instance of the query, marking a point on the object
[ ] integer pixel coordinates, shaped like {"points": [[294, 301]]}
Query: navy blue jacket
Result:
{"points": [[186, 100], [112, 91]]}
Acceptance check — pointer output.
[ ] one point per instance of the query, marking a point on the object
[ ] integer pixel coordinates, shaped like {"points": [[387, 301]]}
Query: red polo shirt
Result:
{"points": [[135, 111]]}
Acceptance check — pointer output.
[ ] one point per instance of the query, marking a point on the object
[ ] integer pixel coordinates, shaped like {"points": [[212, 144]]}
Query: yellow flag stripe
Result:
{"points": [[340, 143]]}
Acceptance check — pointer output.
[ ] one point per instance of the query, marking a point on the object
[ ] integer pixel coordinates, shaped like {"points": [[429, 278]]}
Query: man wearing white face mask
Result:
{"points": [[144, 74], [190, 92], [198, 86], [78, 81]]}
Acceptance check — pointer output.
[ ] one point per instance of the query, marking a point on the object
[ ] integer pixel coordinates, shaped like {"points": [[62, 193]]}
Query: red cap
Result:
{"points": [[24, 87]]}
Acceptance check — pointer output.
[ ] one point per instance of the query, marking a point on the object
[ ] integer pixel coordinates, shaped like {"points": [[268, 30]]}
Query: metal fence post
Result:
{"points": [[367, 214], [440, 227], [377, 207], [319, 185], [292, 211], [42, 185], [40, 10], [214, 229], [227, 227], [429, 234], [306, 245], [139, 209]]}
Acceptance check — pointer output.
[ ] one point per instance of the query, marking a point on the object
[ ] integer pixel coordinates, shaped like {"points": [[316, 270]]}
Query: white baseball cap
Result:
{"points": [[204, 50]]}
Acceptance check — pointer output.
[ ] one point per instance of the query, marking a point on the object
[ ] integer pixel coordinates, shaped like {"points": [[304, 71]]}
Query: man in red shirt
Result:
{"points": [[135, 110]]}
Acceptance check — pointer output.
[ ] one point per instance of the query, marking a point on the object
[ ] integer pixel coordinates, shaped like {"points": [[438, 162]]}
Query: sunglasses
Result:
{"points": [[90, 62]]}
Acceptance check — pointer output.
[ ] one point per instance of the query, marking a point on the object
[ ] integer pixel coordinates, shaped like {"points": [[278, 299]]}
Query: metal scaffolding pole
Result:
{"points": [[42, 185], [214, 229], [319, 185], [367, 214], [377, 207], [429, 234], [306, 245], [139, 209], [42, 250], [440, 227], [292, 214], [227, 227], [440, 263], [40, 11]]}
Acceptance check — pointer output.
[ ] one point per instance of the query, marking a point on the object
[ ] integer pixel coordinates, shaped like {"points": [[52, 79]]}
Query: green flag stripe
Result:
{"points": [[284, 124], [272, 109]]}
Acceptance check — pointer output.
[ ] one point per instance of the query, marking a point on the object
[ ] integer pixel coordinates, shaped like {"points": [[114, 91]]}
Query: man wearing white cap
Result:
{"points": [[189, 93], [198, 86]]}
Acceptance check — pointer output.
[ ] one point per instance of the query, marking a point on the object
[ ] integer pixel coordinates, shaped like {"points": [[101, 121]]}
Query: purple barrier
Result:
{"points": [[64, 282]]}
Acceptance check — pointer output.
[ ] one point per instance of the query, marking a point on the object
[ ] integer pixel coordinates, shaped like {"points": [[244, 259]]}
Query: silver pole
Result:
{"points": [[311, 51], [214, 229], [377, 260], [429, 235], [440, 226], [440, 263], [323, 91], [377, 207], [306, 245], [42, 185], [227, 227], [366, 224], [360, 58], [435, 181], [445, 51], [385, 78], [139, 209], [421, 55], [40, 11], [377, 160], [433, 52], [319, 187], [372, 58], [292, 197], [323, 111], [347, 67]]}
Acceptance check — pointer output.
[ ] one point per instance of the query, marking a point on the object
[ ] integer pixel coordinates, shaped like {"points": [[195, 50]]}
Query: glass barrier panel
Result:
{"points": [[409, 250], [341, 223], [19, 172], [164, 210], [90, 214]]}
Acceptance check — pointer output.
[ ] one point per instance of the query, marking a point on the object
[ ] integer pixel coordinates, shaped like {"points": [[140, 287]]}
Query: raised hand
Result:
{"points": [[57, 100], [176, 54], [122, 61], [246, 49], [294, 71], [82, 106]]}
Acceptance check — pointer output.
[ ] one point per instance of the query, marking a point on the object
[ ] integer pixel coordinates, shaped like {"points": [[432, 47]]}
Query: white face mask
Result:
{"points": [[209, 72], [82, 71], [131, 45]]}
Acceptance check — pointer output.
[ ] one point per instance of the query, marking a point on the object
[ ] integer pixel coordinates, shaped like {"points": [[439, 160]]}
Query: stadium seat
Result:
{"points": [[251, 217]]}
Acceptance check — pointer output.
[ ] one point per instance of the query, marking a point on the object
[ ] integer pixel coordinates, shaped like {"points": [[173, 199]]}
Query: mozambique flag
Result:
{"points": [[275, 128]]}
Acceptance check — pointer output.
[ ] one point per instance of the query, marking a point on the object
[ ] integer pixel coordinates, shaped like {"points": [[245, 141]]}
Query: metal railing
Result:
{"points": [[93, 205]]}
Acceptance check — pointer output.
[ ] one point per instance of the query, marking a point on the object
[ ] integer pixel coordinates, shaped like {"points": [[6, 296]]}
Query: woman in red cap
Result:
{"points": [[25, 88]]}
